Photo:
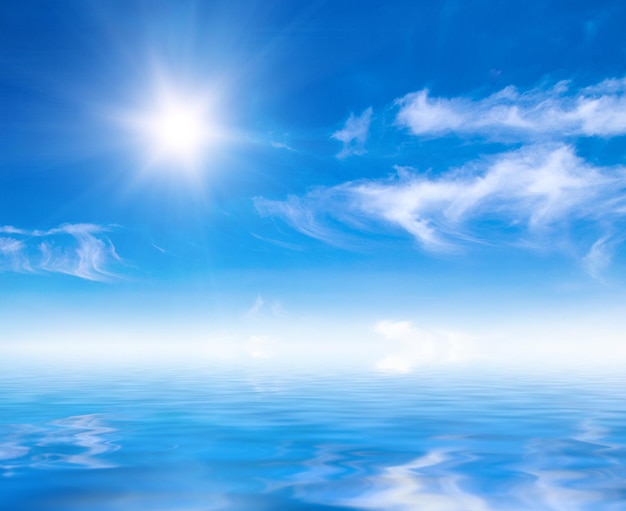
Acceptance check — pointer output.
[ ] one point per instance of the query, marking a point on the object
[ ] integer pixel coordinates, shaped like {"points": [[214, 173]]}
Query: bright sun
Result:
{"points": [[178, 130], [175, 130]]}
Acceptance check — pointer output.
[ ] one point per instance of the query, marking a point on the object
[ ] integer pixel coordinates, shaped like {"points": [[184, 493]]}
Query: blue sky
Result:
{"points": [[419, 183]]}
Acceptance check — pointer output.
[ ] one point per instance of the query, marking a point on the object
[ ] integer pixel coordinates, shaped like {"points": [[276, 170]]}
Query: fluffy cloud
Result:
{"points": [[81, 250], [411, 347], [599, 110], [354, 134], [530, 196]]}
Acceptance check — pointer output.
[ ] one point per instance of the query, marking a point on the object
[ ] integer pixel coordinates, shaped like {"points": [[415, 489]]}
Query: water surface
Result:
{"points": [[245, 440]]}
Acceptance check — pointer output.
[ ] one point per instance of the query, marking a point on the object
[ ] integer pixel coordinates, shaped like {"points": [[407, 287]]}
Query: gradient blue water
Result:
{"points": [[248, 441]]}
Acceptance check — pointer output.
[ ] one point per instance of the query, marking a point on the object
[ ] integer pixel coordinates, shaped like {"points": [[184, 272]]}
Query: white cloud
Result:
{"points": [[258, 304], [281, 145], [542, 196], [354, 134], [599, 110], [11, 254], [527, 197], [411, 347], [81, 250], [599, 257], [261, 308], [304, 214]]}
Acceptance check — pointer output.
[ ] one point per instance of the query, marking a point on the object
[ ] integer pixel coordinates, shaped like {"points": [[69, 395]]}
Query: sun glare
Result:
{"points": [[175, 130], [178, 130]]}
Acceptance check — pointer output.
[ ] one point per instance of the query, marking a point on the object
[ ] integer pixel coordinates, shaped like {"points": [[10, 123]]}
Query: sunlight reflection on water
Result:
{"points": [[252, 441]]}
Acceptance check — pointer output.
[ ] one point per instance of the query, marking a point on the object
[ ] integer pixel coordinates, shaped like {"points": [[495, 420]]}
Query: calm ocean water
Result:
{"points": [[242, 440]]}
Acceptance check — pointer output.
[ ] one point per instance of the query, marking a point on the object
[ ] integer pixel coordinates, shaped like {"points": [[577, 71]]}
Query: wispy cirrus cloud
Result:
{"points": [[354, 134], [10, 250], [558, 111], [262, 307], [543, 195], [81, 250], [600, 255], [527, 196], [313, 213]]}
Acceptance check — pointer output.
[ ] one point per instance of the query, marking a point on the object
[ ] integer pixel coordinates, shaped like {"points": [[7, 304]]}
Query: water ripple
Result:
{"points": [[78, 441]]}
